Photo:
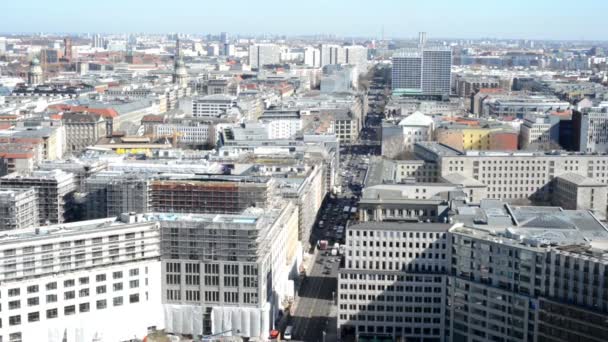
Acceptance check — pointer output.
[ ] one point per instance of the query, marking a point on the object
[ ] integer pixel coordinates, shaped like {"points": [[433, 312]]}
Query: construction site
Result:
{"points": [[210, 196]]}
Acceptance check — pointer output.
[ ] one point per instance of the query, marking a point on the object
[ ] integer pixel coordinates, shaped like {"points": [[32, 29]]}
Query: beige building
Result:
{"points": [[573, 191], [82, 130], [514, 176]]}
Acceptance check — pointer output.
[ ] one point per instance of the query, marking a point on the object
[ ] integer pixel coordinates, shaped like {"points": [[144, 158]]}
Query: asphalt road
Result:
{"points": [[315, 312], [314, 319]]}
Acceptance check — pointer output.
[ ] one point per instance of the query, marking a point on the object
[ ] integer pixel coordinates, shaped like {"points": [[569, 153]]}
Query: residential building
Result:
{"points": [[82, 130], [331, 54], [356, 55], [478, 138], [312, 57], [339, 78]]}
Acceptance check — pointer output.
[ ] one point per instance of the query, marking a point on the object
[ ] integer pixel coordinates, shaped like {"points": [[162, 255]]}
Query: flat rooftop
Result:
{"points": [[403, 226]]}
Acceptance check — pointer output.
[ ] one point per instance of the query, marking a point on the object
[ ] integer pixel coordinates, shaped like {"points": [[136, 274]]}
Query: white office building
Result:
{"points": [[264, 54], [87, 281], [393, 281], [282, 124], [212, 105], [312, 57], [592, 127]]}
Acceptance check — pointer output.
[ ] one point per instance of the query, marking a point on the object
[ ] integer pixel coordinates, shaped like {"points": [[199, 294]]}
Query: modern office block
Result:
{"points": [[80, 281]]}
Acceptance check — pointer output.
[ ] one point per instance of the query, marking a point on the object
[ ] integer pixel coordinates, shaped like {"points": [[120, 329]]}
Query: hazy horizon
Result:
{"points": [[473, 19]]}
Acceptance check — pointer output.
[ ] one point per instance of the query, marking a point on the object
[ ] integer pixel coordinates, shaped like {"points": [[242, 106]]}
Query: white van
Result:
{"points": [[288, 332]]}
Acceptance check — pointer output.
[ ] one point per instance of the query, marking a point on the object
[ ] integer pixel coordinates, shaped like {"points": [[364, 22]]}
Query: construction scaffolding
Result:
{"points": [[229, 197]]}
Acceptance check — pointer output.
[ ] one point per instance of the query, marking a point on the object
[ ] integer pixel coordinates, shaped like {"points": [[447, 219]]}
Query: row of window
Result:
{"points": [[68, 244], [70, 310]]}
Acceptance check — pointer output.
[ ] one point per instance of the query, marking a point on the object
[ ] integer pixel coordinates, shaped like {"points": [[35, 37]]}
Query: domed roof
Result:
{"points": [[35, 61]]}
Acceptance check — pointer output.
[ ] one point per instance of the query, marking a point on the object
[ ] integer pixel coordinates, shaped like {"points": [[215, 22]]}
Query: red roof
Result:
{"points": [[153, 118], [104, 112], [491, 90], [23, 155]]}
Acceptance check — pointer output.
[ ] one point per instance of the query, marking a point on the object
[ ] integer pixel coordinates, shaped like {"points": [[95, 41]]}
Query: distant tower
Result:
{"points": [[129, 54], [421, 39], [180, 73], [34, 75], [67, 52]]}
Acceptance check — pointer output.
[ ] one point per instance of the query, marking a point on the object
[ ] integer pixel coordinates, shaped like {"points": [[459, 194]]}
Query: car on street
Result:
{"points": [[287, 335]]}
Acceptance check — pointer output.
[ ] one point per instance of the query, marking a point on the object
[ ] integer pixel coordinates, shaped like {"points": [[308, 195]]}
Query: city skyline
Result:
{"points": [[513, 20]]}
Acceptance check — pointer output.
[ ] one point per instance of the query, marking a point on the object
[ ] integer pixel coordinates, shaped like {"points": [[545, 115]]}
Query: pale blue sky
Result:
{"points": [[535, 19]]}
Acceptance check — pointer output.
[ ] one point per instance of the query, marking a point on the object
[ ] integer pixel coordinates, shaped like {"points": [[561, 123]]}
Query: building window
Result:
{"points": [[33, 317], [51, 313], [84, 307], [51, 298], [101, 289], [14, 320], [117, 301], [69, 310], [134, 298], [102, 304]]}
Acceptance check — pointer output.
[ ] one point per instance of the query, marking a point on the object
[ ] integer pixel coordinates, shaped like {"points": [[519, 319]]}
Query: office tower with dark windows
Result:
{"points": [[423, 71]]}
